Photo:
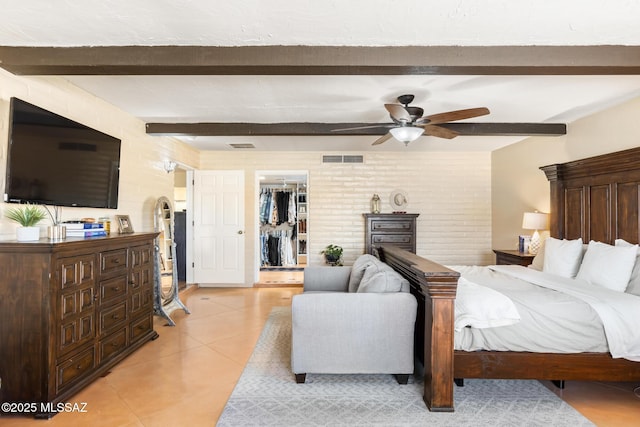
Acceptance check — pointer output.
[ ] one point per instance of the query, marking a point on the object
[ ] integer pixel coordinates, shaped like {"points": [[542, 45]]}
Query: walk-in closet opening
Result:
{"points": [[283, 228]]}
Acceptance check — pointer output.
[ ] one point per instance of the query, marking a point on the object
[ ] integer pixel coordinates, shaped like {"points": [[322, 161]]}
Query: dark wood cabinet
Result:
{"points": [[506, 257], [393, 229], [71, 310]]}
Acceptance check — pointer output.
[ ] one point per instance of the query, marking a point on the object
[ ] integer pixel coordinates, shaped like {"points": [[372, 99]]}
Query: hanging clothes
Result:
{"points": [[278, 238]]}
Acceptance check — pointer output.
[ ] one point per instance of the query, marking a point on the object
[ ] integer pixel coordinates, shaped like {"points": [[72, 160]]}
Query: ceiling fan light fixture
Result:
{"points": [[407, 134]]}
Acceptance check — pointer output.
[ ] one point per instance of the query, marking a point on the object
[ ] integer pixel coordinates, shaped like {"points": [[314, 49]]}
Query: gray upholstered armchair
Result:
{"points": [[354, 320]]}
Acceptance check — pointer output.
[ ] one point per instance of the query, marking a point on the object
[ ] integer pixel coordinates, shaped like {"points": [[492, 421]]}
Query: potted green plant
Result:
{"points": [[333, 254], [27, 216]]}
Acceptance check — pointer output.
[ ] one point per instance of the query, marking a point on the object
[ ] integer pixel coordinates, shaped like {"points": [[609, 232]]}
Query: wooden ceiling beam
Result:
{"points": [[310, 129], [322, 60]]}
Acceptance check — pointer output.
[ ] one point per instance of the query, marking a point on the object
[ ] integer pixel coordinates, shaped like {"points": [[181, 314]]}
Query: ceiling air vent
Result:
{"points": [[342, 159], [243, 145]]}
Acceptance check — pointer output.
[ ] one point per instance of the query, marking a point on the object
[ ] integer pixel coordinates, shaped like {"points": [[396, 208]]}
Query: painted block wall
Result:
{"points": [[450, 190], [142, 175]]}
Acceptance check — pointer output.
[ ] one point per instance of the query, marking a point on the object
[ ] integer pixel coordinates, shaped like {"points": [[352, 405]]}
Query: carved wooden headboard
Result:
{"points": [[596, 198]]}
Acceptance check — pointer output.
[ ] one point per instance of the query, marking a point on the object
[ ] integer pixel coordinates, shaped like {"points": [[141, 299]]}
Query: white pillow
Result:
{"points": [[634, 281], [608, 266], [562, 257], [538, 260]]}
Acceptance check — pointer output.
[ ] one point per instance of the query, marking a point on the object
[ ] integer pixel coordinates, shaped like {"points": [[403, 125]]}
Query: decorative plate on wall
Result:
{"points": [[398, 200]]}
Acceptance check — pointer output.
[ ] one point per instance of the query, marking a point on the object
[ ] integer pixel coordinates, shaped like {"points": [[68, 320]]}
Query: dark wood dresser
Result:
{"points": [[69, 311], [394, 229]]}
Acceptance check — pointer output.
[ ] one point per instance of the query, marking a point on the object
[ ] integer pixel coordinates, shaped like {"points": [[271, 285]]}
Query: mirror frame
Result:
{"points": [[165, 303]]}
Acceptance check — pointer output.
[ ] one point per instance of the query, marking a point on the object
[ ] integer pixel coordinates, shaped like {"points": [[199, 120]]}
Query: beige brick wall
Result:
{"points": [[450, 190], [142, 175]]}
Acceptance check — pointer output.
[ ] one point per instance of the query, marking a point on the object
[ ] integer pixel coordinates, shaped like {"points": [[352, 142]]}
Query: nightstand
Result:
{"points": [[504, 257]]}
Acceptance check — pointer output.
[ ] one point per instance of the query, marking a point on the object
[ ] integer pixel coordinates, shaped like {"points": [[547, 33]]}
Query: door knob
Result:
{"points": [[240, 231]]}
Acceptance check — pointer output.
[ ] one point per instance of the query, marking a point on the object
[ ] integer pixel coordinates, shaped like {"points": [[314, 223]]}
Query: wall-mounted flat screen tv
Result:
{"points": [[55, 161]]}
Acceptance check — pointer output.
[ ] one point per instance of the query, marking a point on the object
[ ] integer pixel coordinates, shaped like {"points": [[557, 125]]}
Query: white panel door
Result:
{"points": [[218, 230]]}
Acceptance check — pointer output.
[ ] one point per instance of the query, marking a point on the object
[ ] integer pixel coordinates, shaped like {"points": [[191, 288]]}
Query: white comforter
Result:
{"points": [[556, 315]]}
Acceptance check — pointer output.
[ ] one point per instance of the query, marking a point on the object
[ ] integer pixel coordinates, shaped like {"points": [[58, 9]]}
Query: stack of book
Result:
{"points": [[85, 229], [523, 243]]}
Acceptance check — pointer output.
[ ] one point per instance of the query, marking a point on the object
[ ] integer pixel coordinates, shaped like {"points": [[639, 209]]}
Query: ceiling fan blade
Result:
{"points": [[440, 132], [382, 139], [398, 112], [381, 125], [452, 116]]}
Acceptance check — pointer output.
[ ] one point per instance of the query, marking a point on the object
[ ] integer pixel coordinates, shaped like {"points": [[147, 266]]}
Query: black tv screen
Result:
{"points": [[53, 160]]}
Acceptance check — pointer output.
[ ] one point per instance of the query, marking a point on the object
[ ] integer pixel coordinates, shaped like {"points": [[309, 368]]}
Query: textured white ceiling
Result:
{"points": [[268, 99]]}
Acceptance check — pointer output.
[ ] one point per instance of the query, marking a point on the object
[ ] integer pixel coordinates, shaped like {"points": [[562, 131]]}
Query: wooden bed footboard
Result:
{"points": [[434, 286]]}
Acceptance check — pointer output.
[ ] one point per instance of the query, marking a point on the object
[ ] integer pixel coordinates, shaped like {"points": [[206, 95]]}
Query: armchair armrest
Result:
{"points": [[327, 279]]}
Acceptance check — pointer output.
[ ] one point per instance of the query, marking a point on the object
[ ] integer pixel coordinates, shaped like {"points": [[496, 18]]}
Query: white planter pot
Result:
{"points": [[27, 234]]}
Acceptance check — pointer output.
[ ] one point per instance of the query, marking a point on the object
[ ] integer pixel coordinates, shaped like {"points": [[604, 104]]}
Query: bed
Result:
{"points": [[592, 199]]}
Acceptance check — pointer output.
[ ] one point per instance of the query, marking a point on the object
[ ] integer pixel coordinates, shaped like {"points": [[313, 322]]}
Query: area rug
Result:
{"points": [[267, 395]]}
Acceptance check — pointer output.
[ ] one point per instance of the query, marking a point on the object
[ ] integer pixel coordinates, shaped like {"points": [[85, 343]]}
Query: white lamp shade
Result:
{"points": [[535, 221], [406, 134]]}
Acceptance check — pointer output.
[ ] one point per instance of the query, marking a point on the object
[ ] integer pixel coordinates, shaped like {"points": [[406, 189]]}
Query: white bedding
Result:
{"points": [[566, 316], [478, 306]]}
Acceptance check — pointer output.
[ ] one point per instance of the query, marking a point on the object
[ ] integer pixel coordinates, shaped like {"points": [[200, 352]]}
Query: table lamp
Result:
{"points": [[535, 221]]}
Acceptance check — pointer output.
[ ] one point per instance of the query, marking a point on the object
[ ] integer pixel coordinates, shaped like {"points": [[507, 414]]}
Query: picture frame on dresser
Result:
{"points": [[124, 224]]}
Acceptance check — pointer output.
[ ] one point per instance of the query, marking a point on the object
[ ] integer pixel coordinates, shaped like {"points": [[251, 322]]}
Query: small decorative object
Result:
{"points": [[56, 231], [27, 216], [333, 255], [375, 204], [398, 201], [535, 221], [106, 223], [124, 224]]}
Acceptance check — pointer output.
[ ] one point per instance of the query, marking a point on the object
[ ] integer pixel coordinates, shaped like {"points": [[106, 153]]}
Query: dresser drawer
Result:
{"points": [[74, 368], [113, 289], [113, 261], [400, 225], [113, 344], [391, 238], [141, 327], [112, 317]]}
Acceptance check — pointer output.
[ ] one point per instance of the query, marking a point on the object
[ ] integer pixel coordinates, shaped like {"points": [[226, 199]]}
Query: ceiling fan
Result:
{"points": [[409, 123]]}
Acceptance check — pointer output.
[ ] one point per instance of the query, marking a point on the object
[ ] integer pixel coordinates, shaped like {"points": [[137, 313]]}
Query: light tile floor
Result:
{"points": [[185, 377]]}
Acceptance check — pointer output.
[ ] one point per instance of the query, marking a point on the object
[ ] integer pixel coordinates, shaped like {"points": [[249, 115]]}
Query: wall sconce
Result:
{"points": [[535, 221], [170, 166]]}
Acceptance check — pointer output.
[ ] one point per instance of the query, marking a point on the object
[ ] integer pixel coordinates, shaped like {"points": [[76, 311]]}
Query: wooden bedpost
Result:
{"points": [[434, 286]]}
